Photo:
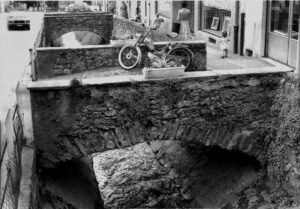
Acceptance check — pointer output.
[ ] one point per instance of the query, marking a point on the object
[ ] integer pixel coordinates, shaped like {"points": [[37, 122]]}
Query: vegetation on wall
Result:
{"points": [[78, 90], [283, 131], [134, 106]]}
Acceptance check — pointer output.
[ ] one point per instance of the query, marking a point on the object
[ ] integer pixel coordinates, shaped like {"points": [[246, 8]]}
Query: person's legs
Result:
{"points": [[184, 30], [226, 52], [223, 53]]}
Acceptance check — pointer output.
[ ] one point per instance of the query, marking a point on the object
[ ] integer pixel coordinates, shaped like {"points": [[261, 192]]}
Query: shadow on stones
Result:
{"points": [[69, 185], [219, 176]]}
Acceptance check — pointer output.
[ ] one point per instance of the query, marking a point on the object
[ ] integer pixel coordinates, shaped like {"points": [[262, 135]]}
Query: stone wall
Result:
{"points": [[227, 111], [58, 24], [39, 42], [55, 61], [125, 27]]}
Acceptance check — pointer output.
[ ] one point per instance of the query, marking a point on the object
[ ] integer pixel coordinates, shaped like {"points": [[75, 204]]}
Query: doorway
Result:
{"points": [[283, 31]]}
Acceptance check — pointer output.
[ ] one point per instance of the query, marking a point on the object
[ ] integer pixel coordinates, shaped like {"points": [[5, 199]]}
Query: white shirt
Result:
{"points": [[184, 14]]}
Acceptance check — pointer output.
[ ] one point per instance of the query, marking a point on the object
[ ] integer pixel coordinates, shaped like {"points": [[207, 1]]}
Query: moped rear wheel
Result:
{"points": [[129, 56], [180, 55]]}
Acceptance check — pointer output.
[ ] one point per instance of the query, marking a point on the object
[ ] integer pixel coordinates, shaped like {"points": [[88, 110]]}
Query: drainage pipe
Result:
{"points": [[242, 33], [297, 71], [236, 27]]}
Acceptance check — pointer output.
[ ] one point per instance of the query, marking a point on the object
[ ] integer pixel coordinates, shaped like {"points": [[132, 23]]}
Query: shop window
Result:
{"points": [[215, 20], [280, 17]]}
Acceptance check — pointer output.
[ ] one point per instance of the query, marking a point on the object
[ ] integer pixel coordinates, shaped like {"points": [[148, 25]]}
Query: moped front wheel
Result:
{"points": [[129, 56]]}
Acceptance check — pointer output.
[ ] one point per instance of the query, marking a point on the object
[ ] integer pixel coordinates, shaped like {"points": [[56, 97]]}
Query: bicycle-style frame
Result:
{"points": [[166, 50]]}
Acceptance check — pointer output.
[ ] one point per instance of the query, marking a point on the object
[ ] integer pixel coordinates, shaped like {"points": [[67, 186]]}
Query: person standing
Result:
{"points": [[184, 16], [138, 12], [224, 45], [123, 10], [111, 7]]}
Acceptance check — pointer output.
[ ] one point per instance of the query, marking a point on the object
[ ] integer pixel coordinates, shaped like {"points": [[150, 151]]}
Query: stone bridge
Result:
{"points": [[58, 24], [75, 120]]}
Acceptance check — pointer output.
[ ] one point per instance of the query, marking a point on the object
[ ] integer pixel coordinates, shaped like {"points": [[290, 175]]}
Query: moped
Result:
{"points": [[130, 55]]}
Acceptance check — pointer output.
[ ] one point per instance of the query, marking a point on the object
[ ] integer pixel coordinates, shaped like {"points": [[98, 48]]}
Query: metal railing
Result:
{"points": [[9, 198], [3, 152]]}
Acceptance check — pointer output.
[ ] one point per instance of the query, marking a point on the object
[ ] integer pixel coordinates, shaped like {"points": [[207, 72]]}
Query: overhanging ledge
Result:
{"points": [[61, 84]]}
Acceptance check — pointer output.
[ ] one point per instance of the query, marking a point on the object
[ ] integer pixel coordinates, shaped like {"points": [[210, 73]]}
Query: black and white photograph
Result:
{"points": [[123, 104], [215, 23]]}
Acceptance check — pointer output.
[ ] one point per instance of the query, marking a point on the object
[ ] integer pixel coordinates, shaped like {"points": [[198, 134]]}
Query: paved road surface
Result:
{"points": [[14, 57]]}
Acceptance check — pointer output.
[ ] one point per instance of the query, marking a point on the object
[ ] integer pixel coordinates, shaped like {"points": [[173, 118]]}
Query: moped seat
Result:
{"points": [[172, 35]]}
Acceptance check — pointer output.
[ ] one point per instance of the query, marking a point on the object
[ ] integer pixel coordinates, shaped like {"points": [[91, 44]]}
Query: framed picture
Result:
{"points": [[215, 23], [226, 24]]}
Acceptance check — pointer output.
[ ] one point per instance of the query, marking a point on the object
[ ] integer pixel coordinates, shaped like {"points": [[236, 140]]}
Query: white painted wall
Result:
{"points": [[255, 25], [2, 7]]}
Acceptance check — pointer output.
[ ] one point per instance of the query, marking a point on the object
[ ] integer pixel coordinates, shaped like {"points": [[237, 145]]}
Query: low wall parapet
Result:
{"points": [[55, 61]]}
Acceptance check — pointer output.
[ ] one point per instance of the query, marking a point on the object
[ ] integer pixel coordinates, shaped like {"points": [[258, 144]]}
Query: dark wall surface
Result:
{"points": [[227, 111]]}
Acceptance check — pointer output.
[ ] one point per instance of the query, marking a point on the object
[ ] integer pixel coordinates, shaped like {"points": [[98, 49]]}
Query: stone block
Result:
{"points": [[132, 178]]}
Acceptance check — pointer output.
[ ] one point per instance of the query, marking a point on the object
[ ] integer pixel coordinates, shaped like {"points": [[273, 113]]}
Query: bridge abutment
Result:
{"points": [[226, 111]]}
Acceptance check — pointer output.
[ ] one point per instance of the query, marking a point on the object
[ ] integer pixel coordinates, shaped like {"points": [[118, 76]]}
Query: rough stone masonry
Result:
{"points": [[227, 111]]}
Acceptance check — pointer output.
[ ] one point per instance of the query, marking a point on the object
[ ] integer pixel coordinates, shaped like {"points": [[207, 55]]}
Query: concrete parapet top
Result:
{"points": [[62, 14], [61, 84], [111, 46]]}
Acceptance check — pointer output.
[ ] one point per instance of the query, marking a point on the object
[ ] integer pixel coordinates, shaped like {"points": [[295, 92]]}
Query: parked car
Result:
{"points": [[18, 21]]}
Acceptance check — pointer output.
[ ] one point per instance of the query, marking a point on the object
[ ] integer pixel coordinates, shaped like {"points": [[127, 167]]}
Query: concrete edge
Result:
{"points": [[27, 185], [110, 46], [67, 14], [276, 63], [61, 84], [28, 180]]}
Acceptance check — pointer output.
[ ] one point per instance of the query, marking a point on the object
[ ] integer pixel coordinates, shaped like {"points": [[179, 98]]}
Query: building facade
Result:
{"points": [[257, 28], [283, 31], [2, 8]]}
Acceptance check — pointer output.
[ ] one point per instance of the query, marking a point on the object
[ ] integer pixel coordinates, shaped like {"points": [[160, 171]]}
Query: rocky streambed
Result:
{"points": [[168, 174], [160, 174], [70, 185]]}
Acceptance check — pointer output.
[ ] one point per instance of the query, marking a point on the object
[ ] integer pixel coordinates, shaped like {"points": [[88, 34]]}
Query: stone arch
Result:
{"points": [[58, 24], [245, 140], [78, 38], [209, 177]]}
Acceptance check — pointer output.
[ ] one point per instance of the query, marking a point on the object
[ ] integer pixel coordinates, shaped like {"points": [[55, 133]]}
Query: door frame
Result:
{"points": [[268, 30]]}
